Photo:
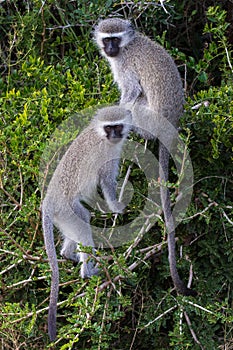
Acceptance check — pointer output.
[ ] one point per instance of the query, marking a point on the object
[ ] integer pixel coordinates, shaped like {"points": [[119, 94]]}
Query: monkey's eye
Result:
{"points": [[118, 127], [108, 128], [106, 40], [116, 40]]}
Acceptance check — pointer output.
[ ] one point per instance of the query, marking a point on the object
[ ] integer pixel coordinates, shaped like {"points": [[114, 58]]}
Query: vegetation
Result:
{"points": [[50, 70]]}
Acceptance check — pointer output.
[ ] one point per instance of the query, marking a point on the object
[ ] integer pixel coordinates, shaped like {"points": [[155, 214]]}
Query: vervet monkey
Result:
{"points": [[151, 87], [91, 160]]}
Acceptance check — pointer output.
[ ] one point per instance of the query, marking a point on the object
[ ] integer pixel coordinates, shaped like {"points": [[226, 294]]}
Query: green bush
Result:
{"points": [[51, 71]]}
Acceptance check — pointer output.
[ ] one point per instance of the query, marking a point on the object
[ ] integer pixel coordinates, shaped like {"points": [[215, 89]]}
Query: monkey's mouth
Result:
{"points": [[115, 139], [111, 53]]}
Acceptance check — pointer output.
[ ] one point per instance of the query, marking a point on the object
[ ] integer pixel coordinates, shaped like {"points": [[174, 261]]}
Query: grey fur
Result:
{"points": [[151, 87], [90, 160]]}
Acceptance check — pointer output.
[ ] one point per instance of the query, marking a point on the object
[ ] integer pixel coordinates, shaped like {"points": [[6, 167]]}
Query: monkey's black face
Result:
{"points": [[114, 132], [111, 46]]}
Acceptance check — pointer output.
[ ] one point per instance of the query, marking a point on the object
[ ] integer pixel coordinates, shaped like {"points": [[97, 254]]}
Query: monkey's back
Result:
{"points": [[77, 174], [158, 74]]}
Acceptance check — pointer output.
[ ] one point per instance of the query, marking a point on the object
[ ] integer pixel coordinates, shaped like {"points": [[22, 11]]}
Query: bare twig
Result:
{"points": [[14, 241], [228, 58], [138, 323], [160, 316], [21, 187], [225, 215], [10, 267], [154, 250], [201, 212], [64, 27], [190, 276], [181, 319], [88, 318], [120, 197], [25, 254], [145, 228], [104, 317], [162, 5], [191, 330], [198, 306], [18, 205], [24, 282]]}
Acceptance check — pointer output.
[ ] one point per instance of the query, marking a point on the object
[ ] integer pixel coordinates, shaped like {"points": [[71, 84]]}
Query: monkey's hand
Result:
{"points": [[117, 207]]}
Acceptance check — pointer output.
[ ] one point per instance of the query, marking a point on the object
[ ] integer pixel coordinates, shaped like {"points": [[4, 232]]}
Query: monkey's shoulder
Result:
{"points": [[85, 141], [143, 51], [88, 148]]}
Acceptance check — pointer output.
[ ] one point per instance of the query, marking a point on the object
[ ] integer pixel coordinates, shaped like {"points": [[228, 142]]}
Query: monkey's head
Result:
{"points": [[112, 34], [112, 123]]}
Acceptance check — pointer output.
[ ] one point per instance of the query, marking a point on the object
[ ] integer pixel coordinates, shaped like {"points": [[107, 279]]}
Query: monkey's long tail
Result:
{"points": [[169, 222], [52, 257]]}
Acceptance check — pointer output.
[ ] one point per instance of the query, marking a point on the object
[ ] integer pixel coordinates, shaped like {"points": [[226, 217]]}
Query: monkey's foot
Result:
{"points": [[117, 207], [88, 269], [71, 256]]}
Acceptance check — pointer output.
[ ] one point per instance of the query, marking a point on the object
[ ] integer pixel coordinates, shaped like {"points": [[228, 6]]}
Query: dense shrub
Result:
{"points": [[51, 70]]}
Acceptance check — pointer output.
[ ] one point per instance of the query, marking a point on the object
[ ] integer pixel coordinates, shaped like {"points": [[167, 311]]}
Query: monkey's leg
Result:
{"points": [[144, 120], [76, 229], [169, 221]]}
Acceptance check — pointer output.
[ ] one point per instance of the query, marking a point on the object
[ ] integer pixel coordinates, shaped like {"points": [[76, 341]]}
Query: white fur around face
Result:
{"points": [[101, 36], [111, 35], [124, 36]]}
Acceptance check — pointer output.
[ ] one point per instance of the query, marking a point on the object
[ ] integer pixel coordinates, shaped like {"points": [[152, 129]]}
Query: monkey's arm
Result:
{"points": [[130, 89], [108, 174]]}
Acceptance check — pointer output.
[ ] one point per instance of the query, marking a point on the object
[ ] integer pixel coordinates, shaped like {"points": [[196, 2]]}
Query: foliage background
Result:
{"points": [[50, 69]]}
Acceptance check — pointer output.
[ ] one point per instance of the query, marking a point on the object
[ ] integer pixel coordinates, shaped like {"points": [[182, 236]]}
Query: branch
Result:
{"points": [[18, 205], [25, 254], [191, 330], [160, 316], [225, 215], [145, 228], [98, 289], [201, 212]]}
